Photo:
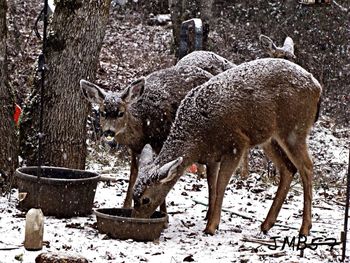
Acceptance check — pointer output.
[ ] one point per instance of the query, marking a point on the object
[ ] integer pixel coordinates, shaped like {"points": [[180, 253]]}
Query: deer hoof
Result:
{"points": [[266, 226], [209, 231], [305, 230]]}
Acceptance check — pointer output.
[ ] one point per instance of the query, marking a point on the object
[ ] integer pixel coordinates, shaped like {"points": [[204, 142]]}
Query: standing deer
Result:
{"points": [[214, 64], [268, 102], [144, 111], [163, 89]]}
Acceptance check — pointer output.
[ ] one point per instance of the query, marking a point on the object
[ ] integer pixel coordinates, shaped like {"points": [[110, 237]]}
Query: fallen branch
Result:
{"points": [[105, 178], [265, 254], [8, 248], [322, 207], [259, 241], [338, 203], [253, 218], [228, 211], [331, 202]]}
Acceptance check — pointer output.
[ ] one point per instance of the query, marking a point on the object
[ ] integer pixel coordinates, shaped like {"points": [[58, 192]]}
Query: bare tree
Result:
{"points": [[74, 43], [8, 141]]}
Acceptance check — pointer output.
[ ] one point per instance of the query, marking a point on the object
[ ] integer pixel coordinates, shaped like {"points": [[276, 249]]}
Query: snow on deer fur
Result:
{"points": [[144, 111], [207, 61], [268, 102], [214, 64]]}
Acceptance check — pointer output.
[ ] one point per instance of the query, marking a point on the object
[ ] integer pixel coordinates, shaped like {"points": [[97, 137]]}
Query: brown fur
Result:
{"points": [[144, 111], [262, 102]]}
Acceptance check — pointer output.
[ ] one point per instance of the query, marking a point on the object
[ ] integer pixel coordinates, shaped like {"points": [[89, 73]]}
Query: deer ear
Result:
{"points": [[134, 90], [288, 47], [267, 44], [92, 92], [146, 156], [168, 171]]}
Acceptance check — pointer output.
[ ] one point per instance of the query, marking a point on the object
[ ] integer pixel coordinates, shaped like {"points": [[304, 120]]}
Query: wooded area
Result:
{"points": [[319, 33], [113, 43]]}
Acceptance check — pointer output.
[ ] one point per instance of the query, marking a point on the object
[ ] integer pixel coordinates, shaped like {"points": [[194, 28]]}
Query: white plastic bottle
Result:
{"points": [[34, 229]]}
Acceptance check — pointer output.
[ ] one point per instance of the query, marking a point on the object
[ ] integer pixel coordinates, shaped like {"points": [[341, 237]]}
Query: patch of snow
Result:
{"points": [[235, 241]]}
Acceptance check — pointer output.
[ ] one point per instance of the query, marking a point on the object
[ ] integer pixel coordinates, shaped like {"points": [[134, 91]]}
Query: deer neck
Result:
{"points": [[132, 134], [176, 149]]}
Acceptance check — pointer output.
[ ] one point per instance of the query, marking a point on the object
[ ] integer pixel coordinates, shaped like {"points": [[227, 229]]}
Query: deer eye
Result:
{"points": [[120, 114], [103, 114]]}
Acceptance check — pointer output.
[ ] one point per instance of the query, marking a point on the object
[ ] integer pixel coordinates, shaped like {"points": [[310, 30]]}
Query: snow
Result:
{"points": [[206, 60], [184, 237]]}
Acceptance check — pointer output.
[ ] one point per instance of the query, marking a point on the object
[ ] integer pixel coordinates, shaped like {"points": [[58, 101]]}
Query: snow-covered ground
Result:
{"points": [[237, 240]]}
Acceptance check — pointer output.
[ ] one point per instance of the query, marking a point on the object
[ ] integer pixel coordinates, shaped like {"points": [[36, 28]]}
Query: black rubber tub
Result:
{"points": [[63, 192], [118, 223]]}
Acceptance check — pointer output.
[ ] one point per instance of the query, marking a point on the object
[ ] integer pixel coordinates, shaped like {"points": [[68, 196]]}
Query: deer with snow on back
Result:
{"points": [[214, 64], [268, 102], [144, 111]]}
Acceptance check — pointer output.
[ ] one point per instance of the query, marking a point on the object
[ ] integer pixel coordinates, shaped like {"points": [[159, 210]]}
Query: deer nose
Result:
{"points": [[109, 135]]}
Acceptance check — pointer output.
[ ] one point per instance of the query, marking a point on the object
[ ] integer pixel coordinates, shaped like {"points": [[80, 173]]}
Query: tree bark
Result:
{"points": [[74, 43], [182, 10], [8, 141]]}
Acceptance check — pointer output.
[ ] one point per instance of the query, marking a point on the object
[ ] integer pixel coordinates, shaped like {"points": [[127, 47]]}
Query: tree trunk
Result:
{"points": [[181, 10], [74, 44], [8, 141], [176, 12]]}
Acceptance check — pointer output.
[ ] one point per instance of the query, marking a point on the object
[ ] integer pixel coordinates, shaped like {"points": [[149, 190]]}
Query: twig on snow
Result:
{"points": [[265, 254], [228, 211], [105, 178], [322, 207], [253, 218], [258, 241]]}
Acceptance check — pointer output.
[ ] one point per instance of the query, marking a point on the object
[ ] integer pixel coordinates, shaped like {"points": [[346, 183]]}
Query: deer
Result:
{"points": [[130, 130], [144, 111], [286, 51], [215, 64], [268, 102]]}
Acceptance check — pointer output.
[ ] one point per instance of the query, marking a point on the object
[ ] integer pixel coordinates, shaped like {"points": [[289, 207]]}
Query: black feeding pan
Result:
{"points": [[118, 223], [63, 192]]}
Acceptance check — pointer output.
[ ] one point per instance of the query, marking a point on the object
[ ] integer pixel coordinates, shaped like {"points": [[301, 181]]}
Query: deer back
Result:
{"points": [[162, 95], [256, 100], [207, 61]]}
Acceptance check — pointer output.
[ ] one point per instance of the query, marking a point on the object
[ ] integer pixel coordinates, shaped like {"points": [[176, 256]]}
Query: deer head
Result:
{"points": [[286, 51], [153, 182], [117, 121]]}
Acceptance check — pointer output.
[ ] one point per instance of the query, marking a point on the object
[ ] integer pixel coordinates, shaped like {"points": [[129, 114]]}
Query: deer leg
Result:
{"points": [[298, 154], [162, 207], [286, 170], [201, 170], [227, 166], [132, 179], [244, 165], [212, 175]]}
